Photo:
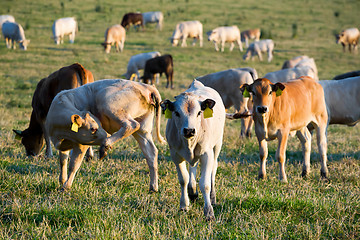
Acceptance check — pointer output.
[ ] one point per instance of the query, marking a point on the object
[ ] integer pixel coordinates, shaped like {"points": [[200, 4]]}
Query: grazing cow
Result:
{"points": [[6, 18], [347, 75], [225, 34], [292, 62], [67, 77], [183, 30], [287, 74], [137, 62], [131, 18], [287, 108], [255, 48], [348, 37], [63, 27], [309, 62], [227, 84], [250, 34], [115, 34], [13, 32], [154, 17], [194, 133], [342, 100], [84, 116], [161, 64]]}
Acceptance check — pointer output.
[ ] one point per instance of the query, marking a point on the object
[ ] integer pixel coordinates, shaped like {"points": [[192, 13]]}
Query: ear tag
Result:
{"points": [[75, 127], [278, 92], [17, 137], [208, 113], [168, 113], [246, 93]]}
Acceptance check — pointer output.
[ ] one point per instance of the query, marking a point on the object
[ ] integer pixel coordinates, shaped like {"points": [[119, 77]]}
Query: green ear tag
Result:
{"points": [[246, 93], [278, 92], [168, 113], [17, 137], [208, 113], [75, 127]]}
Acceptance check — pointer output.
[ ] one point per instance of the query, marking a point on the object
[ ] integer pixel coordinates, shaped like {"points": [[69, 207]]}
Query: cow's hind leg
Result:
{"points": [[305, 139], [231, 46], [322, 145], [193, 193]]}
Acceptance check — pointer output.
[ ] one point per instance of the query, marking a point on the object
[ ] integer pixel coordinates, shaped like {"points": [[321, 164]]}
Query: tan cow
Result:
{"points": [[79, 117], [250, 34], [115, 34], [287, 108], [348, 37]]}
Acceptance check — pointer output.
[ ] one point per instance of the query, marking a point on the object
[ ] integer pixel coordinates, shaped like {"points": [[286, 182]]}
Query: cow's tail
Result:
{"points": [[81, 72], [155, 95]]}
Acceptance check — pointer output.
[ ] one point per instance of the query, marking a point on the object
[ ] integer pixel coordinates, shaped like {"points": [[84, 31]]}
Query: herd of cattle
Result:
{"points": [[74, 112]]}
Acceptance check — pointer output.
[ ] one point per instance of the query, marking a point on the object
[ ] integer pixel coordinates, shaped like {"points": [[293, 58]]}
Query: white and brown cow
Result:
{"points": [[83, 116], [287, 108], [159, 65], [250, 34], [115, 34], [221, 35], [14, 33], [194, 132], [348, 37], [188, 29]]}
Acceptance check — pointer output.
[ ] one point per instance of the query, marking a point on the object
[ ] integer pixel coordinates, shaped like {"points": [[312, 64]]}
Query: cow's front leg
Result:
{"points": [[48, 152], [216, 47], [207, 164], [231, 46], [305, 139], [263, 151], [183, 44], [322, 145], [240, 45], [193, 193], [281, 153], [63, 160], [270, 56], [183, 177], [222, 46]]}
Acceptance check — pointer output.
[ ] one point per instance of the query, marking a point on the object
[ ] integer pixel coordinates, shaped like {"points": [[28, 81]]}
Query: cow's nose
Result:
{"points": [[262, 109], [189, 132]]}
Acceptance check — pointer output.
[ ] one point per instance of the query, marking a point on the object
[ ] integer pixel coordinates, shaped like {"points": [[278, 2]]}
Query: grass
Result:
{"points": [[110, 199]]}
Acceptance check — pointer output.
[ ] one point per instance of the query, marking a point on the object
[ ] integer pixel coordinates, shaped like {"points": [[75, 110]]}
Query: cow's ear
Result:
{"points": [[167, 104], [18, 134], [245, 89], [76, 119], [208, 103], [278, 88]]}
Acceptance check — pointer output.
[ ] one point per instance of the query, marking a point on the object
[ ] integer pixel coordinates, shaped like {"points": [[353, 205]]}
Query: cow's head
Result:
{"points": [[174, 41], [188, 113], [107, 46], [339, 37], [32, 140], [264, 93], [247, 55], [24, 43], [212, 35]]}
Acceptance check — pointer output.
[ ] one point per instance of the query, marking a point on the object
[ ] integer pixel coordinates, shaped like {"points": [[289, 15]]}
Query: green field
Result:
{"points": [[109, 198]]}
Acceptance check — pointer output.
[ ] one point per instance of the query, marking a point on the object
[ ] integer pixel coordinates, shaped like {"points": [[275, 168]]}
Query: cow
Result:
{"points": [[63, 27], [292, 62], [347, 75], [348, 37], [161, 64], [87, 115], [67, 77], [115, 34], [250, 34], [132, 18], [255, 48], [183, 30], [154, 17], [287, 108], [225, 34], [227, 84], [6, 18], [13, 32], [287, 74], [194, 132], [137, 62]]}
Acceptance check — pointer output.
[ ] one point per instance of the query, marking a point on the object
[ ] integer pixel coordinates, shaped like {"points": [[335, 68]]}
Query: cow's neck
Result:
{"points": [[35, 126], [190, 145]]}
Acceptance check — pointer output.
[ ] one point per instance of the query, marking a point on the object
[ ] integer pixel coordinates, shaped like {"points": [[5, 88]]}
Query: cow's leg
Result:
{"points": [[231, 46], [201, 40], [122, 45], [76, 158], [193, 193], [222, 46], [72, 37], [216, 47], [270, 56], [305, 139], [150, 152], [117, 46], [344, 46], [263, 151], [258, 53], [207, 166], [350, 47], [13, 43], [8, 42], [183, 177], [194, 41], [157, 78], [63, 160], [246, 42], [217, 150], [246, 125], [281, 153], [48, 151], [183, 44], [322, 145], [240, 45], [89, 154]]}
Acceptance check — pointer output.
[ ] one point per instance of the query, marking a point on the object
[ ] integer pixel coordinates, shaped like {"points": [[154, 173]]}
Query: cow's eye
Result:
{"points": [[177, 114], [270, 92], [199, 113]]}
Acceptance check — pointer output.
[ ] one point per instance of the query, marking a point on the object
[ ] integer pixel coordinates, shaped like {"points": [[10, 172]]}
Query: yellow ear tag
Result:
{"points": [[75, 127], [133, 76], [278, 92], [168, 113], [246, 93], [208, 113], [17, 137]]}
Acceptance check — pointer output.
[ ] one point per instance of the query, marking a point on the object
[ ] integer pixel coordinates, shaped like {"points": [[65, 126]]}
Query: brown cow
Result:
{"points": [[250, 34], [67, 77], [159, 64], [131, 18], [287, 108]]}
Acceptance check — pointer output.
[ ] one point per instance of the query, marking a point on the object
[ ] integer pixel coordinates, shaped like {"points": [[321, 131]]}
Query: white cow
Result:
{"points": [[255, 48], [292, 62], [310, 62], [6, 18], [225, 34], [137, 62], [287, 74], [63, 27], [115, 34], [183, 30], [194, 133], [13, 32], [154, 17]]}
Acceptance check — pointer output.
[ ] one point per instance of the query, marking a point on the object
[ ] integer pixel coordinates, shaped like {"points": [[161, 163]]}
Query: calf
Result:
{"points": [[225, 34], [347, 75], [287, 108], [161, 64], [292, 62], [63, 27], [117, 106], [250, 34], [287, 74], [13, 32], [137, 62], [183, 30], [194, 133], [348, 37], [256, 48], [115, 34], [67, 77], [154, 17], [131, 18]]}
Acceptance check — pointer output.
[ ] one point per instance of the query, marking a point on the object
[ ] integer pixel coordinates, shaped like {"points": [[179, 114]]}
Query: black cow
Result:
{"points": [[161, 64], [135, 19]]}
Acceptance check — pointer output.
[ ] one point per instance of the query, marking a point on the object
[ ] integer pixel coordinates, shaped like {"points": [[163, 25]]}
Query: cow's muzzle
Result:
{"points": [[262, 109], [188, 132]]}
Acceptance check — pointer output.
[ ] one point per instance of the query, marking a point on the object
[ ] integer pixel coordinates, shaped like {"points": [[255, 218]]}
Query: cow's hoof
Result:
{"points": [[261, 176], [304, 174], [193, 197], [209, 214], [103, 151], [153, 190], [183, 209]]}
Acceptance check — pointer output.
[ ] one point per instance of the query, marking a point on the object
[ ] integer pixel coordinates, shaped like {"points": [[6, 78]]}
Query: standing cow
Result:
{"points": [[194, 133], [131, 18], [348, 37], [6, 18], [255, 48], [250, 34], [183, 30], [154, 17], [161, 64], [137, 62], [13, 32], [63, 27], [115, 34], [225, 34]]}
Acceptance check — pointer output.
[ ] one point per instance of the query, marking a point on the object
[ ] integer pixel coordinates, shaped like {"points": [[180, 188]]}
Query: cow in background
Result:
{"points": [[154, 17], [292, 62], [67, 77], [131, 18], [161, 64], [287, 74], [225, 34], [115, 34], [13, 32], [6, 18], [183, 30], [256, 48], [137, 62], [348, 37], [250, 34], [63, 27]]}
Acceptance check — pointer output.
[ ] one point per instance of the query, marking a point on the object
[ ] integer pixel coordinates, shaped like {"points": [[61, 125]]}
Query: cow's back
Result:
{"points": [[13, 31]]}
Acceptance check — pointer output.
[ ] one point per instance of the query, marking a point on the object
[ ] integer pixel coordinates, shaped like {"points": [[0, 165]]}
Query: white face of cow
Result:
{"points": [[23, 44], [212, 35]]}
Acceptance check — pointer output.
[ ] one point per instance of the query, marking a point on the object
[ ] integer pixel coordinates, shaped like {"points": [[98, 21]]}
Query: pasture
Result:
{"points": [[109, 199]]}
